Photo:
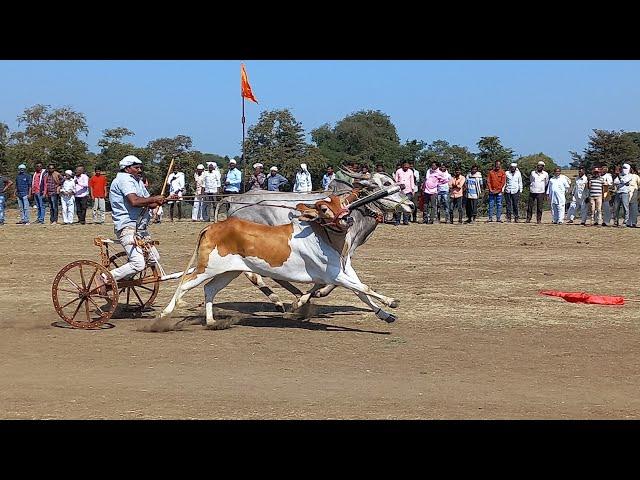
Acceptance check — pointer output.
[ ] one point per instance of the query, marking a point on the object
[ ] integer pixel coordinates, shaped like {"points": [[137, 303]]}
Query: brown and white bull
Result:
{"points": [[309, 249]]}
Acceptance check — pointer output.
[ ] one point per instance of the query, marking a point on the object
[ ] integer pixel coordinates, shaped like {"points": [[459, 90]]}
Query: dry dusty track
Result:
{"points": [[473, 340]]}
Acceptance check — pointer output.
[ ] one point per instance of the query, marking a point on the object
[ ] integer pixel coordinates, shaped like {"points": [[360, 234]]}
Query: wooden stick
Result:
{"points": [[164, 186]]}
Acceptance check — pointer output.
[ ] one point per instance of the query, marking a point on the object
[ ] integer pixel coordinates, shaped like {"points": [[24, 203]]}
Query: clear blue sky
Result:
{"points": [[533, 106]]}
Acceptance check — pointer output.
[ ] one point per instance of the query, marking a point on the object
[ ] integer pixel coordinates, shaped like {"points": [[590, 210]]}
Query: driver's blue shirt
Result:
{"points": [[123, 213]]}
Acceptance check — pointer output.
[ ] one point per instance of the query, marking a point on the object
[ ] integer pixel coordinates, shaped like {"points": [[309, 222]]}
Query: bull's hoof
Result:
{"points": [[394, 303], [280, 307], [391, 319]]}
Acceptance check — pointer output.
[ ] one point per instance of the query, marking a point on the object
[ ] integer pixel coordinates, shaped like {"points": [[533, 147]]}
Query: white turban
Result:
{"points": [[256, 165], [303, 166]]}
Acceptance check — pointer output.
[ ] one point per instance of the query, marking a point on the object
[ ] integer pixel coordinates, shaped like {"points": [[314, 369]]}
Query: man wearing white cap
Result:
{"points": [[258, 178], [512, 191], [275, 180], [303, 180], [622, 182], [128, 197], [538, 181], [196, 212], [233, 179], [23, 193], [67, 196]]}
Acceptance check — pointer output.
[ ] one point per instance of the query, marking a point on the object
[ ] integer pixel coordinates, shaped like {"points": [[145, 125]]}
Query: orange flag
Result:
{"points": [[244, 84]]}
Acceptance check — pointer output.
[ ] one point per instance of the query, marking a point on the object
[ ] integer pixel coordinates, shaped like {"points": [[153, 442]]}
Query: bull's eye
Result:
{"points": [[387, 184]]}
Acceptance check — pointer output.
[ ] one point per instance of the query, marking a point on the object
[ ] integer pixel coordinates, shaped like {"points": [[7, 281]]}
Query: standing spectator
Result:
{"points": [[212, 184], [82, 194], [538, 181], [327, 178], [633, 197], [557, 188], [579, 197], [275, 180], [379, 168], [198, 177], [512, 191], [416, 174], [303, 180], [258, 178], [622, 183], [607, 194], [4, 184], [52, 183], [37, 190], [432, 178], [233, 179], [340, 175], [98, 192], [473, 190], [176, 184], [496, 182], [456, 185], [364, 170], [443, 195], [23, 192], [595, 196], [67, 192], [404, 176]]}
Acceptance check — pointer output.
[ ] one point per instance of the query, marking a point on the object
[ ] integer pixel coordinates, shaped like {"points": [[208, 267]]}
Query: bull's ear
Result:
{"points": [[308, 215], [305, 206]]}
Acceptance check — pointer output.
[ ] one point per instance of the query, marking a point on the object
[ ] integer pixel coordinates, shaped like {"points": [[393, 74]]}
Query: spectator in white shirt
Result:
{"points": [[303, 180], [538, 181], [579, 197], [212, 184], [512, 191], [176, 189], [196, 213], [557, 188]]}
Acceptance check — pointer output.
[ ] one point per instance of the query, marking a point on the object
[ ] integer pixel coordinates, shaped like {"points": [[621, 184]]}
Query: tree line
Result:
{"points": [[58, 135]]}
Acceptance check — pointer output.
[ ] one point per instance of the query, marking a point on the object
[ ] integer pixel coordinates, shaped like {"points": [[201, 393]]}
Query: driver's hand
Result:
{"points": [[158, 200]]}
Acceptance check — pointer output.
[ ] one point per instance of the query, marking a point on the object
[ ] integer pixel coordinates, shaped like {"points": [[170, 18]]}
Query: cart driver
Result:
{"points": [[128, 196]]}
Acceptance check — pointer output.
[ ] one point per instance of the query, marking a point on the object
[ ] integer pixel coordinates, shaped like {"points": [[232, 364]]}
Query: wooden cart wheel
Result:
{"points": [[141, 296], [78, 298]]}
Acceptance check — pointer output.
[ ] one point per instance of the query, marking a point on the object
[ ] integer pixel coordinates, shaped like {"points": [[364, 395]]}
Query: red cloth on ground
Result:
{"points": [[582, 297]]}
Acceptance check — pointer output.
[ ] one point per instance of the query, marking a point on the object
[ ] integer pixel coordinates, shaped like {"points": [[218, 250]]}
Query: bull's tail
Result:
{"points": [[193, 257], [216, 211]]}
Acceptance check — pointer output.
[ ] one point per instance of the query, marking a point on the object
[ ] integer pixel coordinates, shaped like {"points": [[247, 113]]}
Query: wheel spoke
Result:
{"points": [[77, 308], [86, 305], [92, 277], [73, 283], [84, 285], [97, 306], [145, 288], [139, 299], [68, 291], [128, 294], [66, 305]]}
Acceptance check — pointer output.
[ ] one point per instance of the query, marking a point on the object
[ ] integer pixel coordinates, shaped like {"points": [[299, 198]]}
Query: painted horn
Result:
{"points": [[373, 197]]}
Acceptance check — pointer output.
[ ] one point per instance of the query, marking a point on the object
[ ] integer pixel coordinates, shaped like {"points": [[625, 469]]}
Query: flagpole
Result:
{"points": [[244, 166]]}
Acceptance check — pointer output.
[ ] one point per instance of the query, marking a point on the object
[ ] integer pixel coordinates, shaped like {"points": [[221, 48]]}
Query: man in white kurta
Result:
{"points": [[557, 189]]}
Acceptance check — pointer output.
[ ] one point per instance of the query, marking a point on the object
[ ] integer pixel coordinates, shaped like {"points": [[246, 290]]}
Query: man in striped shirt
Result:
{"points": [[595, 196]]}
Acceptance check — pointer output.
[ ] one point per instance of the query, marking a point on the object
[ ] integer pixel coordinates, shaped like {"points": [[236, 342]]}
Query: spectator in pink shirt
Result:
{"points": [[432, 179], [404, 176]]}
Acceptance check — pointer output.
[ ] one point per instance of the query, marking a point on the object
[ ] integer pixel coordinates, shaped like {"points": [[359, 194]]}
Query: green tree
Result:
{"points": [[4, 143], [367, 136], [452, 155], [491, 150], [51, 136], [278, 139], [608, 148], [527, 163]]}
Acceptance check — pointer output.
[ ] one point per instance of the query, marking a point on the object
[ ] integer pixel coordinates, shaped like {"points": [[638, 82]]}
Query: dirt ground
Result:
{"points": [[473, 339]]}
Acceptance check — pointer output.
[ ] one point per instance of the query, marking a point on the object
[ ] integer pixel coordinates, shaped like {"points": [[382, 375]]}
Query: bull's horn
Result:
{"points": [[373, 197], [351, 174]]}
